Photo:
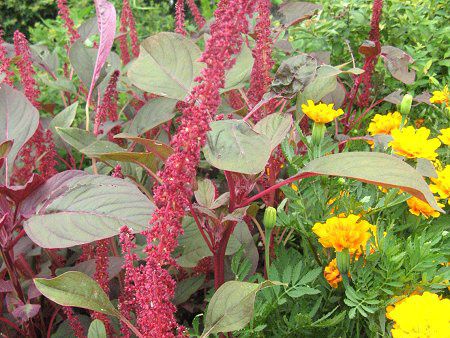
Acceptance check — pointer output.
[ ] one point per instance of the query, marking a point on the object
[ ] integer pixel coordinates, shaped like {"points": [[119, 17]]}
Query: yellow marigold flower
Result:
{"points": [[441, 96], [332, 274], [424, 316], [445, 137], [321, 113], [441, 184], [412, 143], [384, 124], [343, 233], [417, 207]]}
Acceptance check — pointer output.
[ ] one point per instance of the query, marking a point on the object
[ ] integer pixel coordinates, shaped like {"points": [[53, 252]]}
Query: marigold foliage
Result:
{"points": [[414, 143], [421, 316], [321, 113], [343, 233], [384, 124]]}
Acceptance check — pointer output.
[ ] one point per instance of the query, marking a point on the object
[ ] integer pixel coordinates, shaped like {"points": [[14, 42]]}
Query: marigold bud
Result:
{"points": [[405, 106], [270, 217]]}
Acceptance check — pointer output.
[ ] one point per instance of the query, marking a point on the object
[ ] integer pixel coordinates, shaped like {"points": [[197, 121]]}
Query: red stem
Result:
{"points": [[200, 228], [14, 326], [219, 255]]}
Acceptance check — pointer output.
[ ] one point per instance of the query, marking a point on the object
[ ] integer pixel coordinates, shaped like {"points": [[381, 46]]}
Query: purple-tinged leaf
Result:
{"points": [[33, 292], [397, 62], [19, 120], [106, 20], [6, 286], [25, 312], [47, 192], [19, 192], [298, 11]]}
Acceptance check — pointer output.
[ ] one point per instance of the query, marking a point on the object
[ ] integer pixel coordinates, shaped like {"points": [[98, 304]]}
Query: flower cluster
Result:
{"points": [[412, 143], [108, 107], [199, 20], [418, 207], [262, 54], [321, 113], [64, 13], [332, 274], [127, 24], [341, 233], [5, 63], [445, 136], [423, 315], [441, 184], [179, 17], [101, 276], [441, 96], [26, 69], [155, 290], [384, 124]]}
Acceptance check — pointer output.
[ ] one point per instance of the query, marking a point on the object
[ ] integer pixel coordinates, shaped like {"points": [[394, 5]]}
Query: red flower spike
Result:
{"points": [[26, 69], [64, 13]]}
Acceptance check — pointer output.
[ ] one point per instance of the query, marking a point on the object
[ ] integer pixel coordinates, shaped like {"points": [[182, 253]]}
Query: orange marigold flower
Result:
{"points": [[417, 207], [441, 96], [441, 184], [384, 124], [412, 143], [423, 315], [332, 274], [445, 136], [343, 233], [321, 113]]}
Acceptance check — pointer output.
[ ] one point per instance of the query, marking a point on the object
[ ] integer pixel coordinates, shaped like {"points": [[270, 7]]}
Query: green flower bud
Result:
{"points": [[318, 132], [405, 106], [270, 217], [343, 261]]}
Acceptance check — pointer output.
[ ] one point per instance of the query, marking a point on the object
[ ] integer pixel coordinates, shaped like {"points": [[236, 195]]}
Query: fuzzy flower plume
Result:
{"points": [[425, 315], [64, 13], [101, 276], [343, 233], [371, 60], [262, 53], [412, 143], [38, 153], [108, 108], [154, 287], [74, 322], [179, 17], [128, 24], [26, 69], [199, 20], [5, 63]]}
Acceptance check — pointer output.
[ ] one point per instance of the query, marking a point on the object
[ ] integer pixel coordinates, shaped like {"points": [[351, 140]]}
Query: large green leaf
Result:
{"points": [[76, 289], [231, 307], [163, 151], [97, 329], [167, 65], [187, 287], [375, 168], [93, 207], [19, 120], [275, 127], [193, 247], [64, 119], [234, 146], [239, 74], [75, 137], [152, 114]]}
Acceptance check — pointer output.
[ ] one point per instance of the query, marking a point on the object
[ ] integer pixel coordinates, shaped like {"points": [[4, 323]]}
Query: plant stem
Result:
{"points": [[219, 255], [131, 327]]}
